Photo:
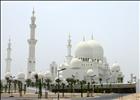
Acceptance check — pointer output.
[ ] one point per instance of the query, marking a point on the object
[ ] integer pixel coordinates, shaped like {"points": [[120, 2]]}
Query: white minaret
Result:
{"points": [[53, 70], [8, 59], [69, 57], [32, 42]]}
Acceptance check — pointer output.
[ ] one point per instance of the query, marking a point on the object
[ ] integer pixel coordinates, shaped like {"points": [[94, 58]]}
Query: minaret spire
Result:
{"points": [[8, 59], [33, 12], [92, 36], [83, 38], [32, 42]]}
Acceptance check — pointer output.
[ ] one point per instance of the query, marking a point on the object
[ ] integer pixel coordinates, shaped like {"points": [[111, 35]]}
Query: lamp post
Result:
{"points": [[59, 80]]}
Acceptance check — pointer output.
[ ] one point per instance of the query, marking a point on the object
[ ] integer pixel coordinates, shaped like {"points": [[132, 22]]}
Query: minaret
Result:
{"points": [[92, 37], [69, 57], [32, 42], [83, 38], [8, 59]]}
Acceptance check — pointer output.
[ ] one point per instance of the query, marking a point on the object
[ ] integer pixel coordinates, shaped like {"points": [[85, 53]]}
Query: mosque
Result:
{"points": [[88, 62]]}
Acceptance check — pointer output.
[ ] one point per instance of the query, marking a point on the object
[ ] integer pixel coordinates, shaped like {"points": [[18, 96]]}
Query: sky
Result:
{"points": [[114, 24]]}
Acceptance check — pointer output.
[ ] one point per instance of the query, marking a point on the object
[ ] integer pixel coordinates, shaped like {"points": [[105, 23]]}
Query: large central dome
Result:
{"points": [[89, 49]]}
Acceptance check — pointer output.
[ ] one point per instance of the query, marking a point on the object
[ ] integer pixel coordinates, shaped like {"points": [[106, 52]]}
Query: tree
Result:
{"points": [[15, 85], [40, 88], [36, 81], [100, 79], [20, 88], [48, 81], [24, 88], [81, 83], [63, 86], [88, 89], [1, 87], [71, 82], [28, 82], [8, 83]]}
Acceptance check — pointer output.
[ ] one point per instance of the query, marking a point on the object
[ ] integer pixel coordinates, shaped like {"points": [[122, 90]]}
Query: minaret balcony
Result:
{"points": [[32, 41]]}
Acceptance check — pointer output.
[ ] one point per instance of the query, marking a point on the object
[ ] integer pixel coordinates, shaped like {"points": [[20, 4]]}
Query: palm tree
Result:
{"points": [[28, 82], [36, 81], [100, 79], [8, 83], [110, 86], [121, 79], [48, 81], [88, 89], [5, 88], [71, 81], [81, 83], [1, 87], [24, 88], [15, 85], [40, 88], [63, 86], [20, 87]]}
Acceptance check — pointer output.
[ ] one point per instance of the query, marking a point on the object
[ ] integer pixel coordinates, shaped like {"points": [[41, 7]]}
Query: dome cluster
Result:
{"points": [[90, 49], [21, 75]]}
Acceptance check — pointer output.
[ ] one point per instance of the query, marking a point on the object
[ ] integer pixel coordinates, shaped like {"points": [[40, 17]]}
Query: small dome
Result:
{"points": [[8, 74], [100, 62], [84, 50], [21, 75], [115, 67], [33, 74], [40, 75], [75, 62], [48, 75], [89, 72]]}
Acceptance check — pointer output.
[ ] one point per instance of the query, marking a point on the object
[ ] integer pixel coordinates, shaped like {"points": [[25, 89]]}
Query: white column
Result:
{"points": [[8, 59], [69, 57], [32, 42]]}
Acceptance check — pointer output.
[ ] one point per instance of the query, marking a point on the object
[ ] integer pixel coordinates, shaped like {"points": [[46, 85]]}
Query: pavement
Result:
{"points": [[30, 95]]}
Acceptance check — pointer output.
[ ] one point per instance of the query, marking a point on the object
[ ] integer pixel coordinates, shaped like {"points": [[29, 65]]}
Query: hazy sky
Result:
{"points": [[113, 24]]}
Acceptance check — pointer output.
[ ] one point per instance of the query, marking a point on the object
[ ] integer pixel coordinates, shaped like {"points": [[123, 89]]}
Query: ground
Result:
{"points": [[30, 95]]}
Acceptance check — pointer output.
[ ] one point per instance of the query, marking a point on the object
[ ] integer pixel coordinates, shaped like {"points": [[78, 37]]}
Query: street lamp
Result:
{"points": [[59, 80]]}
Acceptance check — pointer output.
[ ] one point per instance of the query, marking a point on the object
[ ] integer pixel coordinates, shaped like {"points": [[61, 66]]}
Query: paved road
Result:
{"points": [[103, 97], [112, 96]]}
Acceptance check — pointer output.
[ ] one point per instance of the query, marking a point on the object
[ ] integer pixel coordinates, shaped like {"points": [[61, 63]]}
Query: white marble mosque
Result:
{"points": [[88, 62]]}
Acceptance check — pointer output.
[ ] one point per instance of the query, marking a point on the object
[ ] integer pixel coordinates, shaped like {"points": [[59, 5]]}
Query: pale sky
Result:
{"points": [[113, 24]]}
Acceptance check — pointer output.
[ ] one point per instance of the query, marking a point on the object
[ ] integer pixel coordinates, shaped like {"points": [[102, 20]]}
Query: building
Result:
{"points": [[8, 59], [53, 70], [89, 63], [32, 42]]}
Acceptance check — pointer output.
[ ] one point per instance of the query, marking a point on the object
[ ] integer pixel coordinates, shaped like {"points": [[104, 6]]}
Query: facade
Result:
{"points": [[8, 59], [32, 42], [89, 63]]}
